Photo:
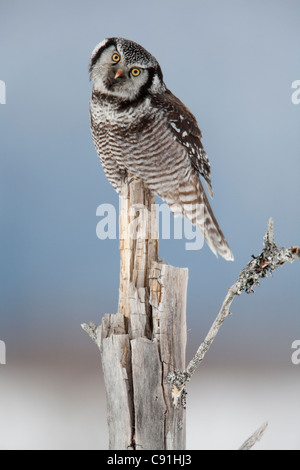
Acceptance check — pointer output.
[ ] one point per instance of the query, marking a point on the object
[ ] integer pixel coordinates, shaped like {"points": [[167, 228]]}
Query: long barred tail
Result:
{"points": [[192, 203]]}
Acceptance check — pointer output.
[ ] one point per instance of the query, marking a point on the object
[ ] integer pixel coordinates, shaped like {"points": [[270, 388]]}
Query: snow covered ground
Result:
{"points": [[64, 408]]}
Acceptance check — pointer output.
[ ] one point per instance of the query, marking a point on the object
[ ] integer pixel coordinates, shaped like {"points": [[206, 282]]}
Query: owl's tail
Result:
{"points": [[194, 205]]}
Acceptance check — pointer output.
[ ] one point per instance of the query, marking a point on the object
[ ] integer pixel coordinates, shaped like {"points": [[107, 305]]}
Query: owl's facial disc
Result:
{"points": [[112, 74]]}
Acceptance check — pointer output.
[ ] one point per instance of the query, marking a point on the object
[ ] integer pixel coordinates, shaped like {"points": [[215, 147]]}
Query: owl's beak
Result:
{"points": [[119, 73]]}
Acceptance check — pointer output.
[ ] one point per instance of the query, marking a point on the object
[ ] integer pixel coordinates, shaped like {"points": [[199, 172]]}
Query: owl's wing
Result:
{"points": [[184, 127]]}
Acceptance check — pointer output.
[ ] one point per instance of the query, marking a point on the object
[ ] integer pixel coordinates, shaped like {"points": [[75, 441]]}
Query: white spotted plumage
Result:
{"points": [[140, 128]]}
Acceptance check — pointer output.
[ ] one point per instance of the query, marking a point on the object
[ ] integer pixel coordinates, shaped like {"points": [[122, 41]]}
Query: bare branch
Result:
{"points": [[249, 443], [269, 259]]}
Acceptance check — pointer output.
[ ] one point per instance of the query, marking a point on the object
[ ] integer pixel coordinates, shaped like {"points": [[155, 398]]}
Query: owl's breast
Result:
{"points": [[138, 139], [122, 132]]}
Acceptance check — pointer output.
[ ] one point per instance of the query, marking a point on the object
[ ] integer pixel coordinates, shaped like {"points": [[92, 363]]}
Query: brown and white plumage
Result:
{"points": [[139, 127]]}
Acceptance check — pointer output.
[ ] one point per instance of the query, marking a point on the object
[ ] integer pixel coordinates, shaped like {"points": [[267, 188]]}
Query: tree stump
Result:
{"points": [[146, 339]]}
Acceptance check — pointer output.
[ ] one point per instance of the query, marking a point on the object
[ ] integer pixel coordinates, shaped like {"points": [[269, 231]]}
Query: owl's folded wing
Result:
{"points": [[185, 130]]}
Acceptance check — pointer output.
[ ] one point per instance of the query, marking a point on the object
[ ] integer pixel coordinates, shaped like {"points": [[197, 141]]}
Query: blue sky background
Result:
{"points": [[232, 63]]}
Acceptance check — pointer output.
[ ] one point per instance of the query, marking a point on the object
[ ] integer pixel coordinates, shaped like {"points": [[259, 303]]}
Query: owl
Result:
{"points": [[140, 128]]}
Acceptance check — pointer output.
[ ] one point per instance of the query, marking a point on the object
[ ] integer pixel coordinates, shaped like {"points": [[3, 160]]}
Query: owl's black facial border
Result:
{"points": [[152, 71], [110, 42], [145, 88], [123, 104]]}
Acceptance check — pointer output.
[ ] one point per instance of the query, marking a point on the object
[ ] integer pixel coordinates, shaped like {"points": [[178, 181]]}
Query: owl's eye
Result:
{"points": [[115, 57], [135, 72]]}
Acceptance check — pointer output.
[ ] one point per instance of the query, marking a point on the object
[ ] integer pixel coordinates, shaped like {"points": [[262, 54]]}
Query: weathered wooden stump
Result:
{"points": [[146, 339]]}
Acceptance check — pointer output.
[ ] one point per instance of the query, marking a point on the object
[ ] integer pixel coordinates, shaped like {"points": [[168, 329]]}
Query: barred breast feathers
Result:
{"points": [[155, 138]]}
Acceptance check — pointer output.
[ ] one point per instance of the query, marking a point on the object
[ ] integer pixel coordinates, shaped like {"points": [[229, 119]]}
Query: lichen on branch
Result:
{"points": [[258, 268]]}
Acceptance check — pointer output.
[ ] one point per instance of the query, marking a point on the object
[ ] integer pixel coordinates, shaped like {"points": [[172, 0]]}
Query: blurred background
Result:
{"points": [[232, 63]]}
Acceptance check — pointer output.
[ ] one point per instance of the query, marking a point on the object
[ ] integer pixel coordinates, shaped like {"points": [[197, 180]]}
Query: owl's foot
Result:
{"points": [[127, 178]]}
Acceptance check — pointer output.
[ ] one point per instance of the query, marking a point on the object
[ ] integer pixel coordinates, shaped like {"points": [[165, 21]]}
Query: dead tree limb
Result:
{"points": [[256, 437], [259, 267]]}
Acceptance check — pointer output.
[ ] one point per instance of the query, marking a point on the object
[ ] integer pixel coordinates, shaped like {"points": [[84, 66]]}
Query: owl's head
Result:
{"points": [[124, 69]]}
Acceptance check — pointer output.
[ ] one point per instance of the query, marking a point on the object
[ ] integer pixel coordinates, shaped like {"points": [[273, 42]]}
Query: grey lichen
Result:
{"points": [[91, 329], [266, 262]]}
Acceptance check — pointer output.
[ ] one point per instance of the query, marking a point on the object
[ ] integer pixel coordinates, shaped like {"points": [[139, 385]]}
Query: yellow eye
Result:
{"points": [[115, 57], [135, 72]]}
